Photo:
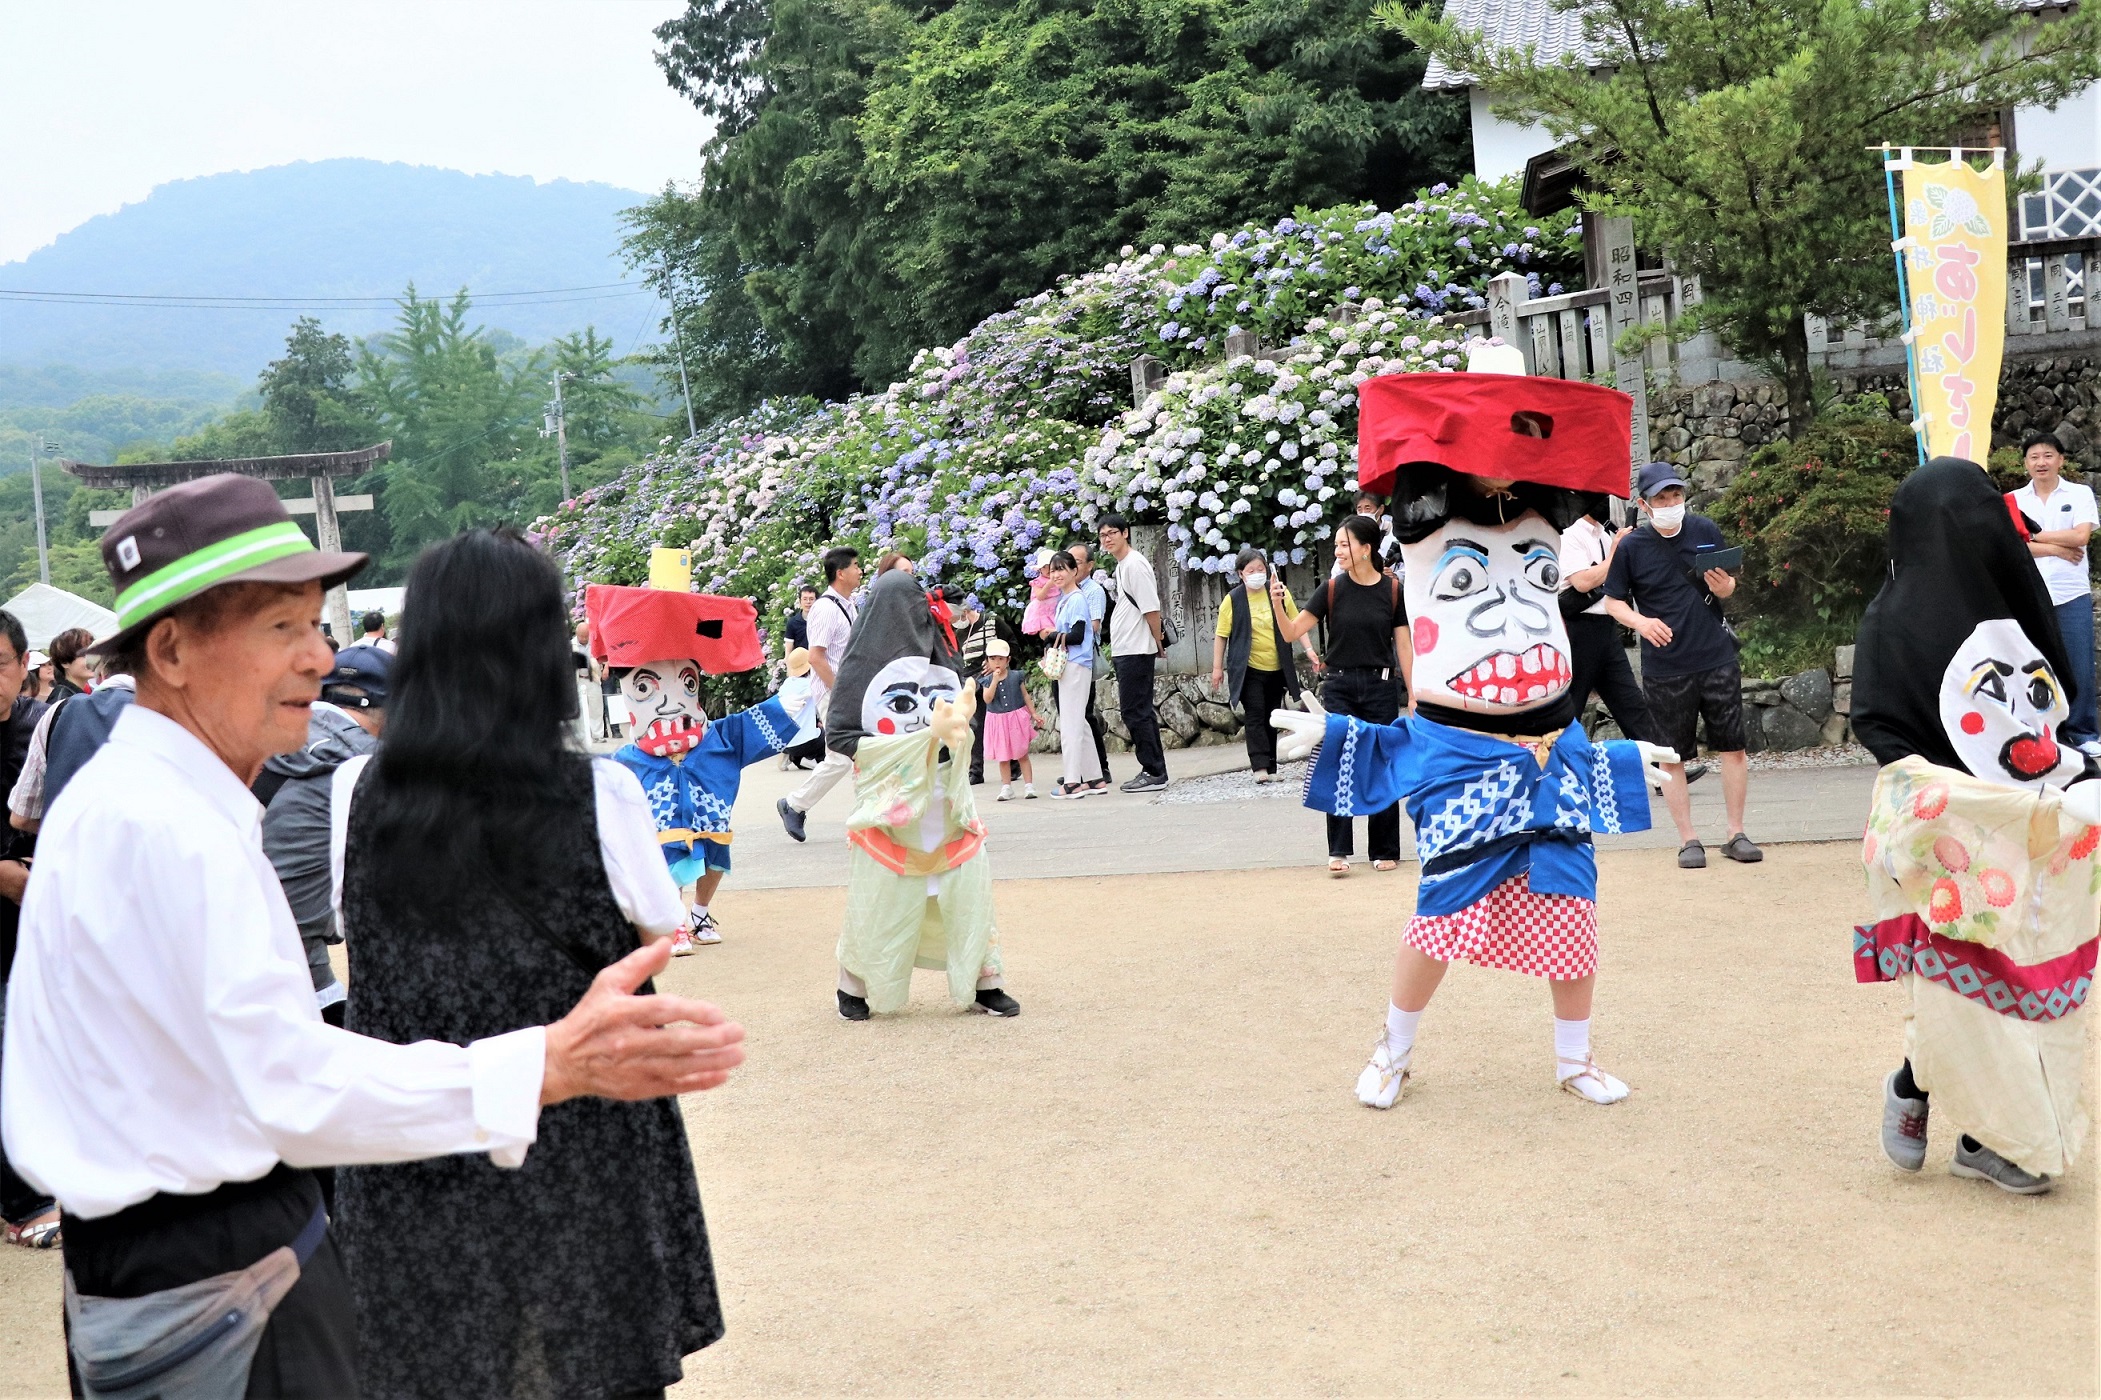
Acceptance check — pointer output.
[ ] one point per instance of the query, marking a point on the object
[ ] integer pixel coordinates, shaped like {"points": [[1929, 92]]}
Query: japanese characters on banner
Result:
{"points": [[1954, 249]]}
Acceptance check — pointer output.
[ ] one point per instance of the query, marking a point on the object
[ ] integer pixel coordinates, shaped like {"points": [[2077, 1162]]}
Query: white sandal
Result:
{"points": [[37, 1234], [1380, 1083], [1338, 867], [1606, 1089]]}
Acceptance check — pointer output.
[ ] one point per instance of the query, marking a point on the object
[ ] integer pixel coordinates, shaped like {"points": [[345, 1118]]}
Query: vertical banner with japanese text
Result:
{"points": [[1954, 248]]}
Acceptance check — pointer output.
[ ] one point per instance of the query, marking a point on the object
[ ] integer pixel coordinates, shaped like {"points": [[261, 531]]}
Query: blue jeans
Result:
{"points": [[2075, 624]]}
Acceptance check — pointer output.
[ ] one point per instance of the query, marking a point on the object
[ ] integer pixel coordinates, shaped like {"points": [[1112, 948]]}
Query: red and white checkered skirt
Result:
{"points": [[1543, 935]]}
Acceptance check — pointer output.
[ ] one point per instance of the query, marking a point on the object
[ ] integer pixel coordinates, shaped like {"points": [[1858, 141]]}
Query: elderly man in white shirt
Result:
{"points": [[168, 1076]]}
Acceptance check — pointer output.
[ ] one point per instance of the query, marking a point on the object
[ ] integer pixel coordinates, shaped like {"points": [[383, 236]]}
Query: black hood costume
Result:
{"points": [[898, 633], [1955, 560]]}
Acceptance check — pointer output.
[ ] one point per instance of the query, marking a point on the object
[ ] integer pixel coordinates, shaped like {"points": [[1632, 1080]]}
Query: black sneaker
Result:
{"points": [[1146, 782], [853, 1008], [793, 820], [992, 1001]]}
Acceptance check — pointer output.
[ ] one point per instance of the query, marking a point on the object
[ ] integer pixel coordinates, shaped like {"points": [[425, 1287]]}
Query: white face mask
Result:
{"points": [[1667, 518], [1487, 625], [2002, 708], [1256, 581]]}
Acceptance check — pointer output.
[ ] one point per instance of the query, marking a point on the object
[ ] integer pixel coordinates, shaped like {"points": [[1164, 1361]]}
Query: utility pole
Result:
{"points": [[37, 446], [559, 425], [678, 339]]}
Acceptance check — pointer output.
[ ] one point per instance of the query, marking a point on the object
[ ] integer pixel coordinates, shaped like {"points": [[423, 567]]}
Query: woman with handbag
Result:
{"points": [[1069, 662], [1251, 660]]}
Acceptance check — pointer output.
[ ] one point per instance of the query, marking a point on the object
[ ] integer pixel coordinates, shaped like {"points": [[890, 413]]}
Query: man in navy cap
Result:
{"points": [[1657, 587], [294, 790]]}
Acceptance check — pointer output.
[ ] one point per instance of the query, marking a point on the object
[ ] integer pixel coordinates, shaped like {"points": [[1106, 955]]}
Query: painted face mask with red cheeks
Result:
{"points": [[664, 699], [2003, 707], [1484, 617]]}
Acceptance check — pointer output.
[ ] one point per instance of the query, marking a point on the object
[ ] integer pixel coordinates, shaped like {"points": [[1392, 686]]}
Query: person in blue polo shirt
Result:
{"points": [[1688, 656]]}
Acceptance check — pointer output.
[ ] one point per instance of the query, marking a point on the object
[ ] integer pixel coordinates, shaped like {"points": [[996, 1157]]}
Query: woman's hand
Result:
{"points": [[1218, 679]]}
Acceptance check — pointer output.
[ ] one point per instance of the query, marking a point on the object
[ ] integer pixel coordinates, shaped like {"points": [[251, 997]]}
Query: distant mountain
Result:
{"points": [[322, 229]]}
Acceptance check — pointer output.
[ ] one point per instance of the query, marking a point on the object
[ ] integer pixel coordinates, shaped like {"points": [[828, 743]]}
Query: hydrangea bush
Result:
{"points": [[1017, 435], [1254, 452]]}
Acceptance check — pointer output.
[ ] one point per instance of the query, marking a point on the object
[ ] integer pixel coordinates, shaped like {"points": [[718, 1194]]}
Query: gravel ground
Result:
{"points": [[1837, 756], [1237, 786], [1157, 1182]]}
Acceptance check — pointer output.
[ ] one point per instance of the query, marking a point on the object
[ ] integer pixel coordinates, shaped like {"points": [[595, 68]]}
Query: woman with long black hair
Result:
{"points": [[1368, 661], [487, 872]]}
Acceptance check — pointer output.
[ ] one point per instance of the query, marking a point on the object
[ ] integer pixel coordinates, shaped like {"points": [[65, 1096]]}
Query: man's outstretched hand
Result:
{"points": [[616, 1045]]}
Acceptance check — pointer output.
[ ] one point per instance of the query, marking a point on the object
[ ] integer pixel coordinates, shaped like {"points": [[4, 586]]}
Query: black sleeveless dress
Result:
{"points": [[585, 1273]]}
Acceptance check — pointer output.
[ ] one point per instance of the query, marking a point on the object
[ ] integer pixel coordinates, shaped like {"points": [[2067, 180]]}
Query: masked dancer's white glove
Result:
{"points": [[1653, 757], [1299, 732], [951, 721], [2082, 803]]}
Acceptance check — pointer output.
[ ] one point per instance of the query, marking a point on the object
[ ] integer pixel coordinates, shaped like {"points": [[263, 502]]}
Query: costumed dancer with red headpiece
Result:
{"points": [[690, 767], [1981, 839], [1501, 783]]}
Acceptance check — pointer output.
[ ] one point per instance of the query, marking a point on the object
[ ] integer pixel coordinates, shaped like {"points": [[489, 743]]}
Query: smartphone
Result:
{"points": [[1717, 556]]}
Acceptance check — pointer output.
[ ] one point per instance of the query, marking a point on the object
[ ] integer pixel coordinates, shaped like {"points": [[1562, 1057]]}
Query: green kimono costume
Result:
{"points": [[907, 905]]}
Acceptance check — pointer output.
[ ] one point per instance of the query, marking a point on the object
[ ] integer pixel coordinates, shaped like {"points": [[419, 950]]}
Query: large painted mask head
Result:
{"points": [[900, 699], [1483, 616], [2002, 707], [664, 699]]}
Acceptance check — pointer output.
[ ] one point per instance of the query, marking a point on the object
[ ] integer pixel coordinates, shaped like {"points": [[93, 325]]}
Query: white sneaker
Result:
{"points": [[681, 943], [1006, 793], [1380, 1084], [2091, 748], [1586, 1081], [1028, 792]]}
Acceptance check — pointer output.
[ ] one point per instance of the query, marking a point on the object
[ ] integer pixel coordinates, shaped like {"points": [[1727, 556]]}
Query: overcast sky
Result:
{"points": [[101, 100]]}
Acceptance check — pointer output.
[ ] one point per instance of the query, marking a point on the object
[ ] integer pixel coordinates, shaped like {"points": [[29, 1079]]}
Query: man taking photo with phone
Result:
{"points": [[1657, 587]]}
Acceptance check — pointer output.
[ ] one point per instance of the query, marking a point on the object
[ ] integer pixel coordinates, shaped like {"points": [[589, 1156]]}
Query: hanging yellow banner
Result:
{"points": [[1955, 271]]}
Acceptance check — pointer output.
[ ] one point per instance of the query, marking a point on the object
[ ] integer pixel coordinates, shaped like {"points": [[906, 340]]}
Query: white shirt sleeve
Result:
{"points": [[1580, 549], [2083, 508], [340, 786], [634, 861], [318, 1094]]}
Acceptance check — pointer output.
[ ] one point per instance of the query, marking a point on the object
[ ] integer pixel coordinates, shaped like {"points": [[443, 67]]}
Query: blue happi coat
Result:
{"points": [[691, 795], [1484, 808]]}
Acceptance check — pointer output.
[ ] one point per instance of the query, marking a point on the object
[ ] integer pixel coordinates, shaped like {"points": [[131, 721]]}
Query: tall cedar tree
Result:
{"points": [[883, 177], [1735, 132]]}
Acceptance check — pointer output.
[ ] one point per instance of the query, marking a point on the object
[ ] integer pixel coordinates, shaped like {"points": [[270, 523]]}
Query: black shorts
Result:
{"points": [[1679, 703]]}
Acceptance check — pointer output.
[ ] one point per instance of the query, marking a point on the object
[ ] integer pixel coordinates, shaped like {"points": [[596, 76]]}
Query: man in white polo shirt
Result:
{"points": [[2065, 516]]}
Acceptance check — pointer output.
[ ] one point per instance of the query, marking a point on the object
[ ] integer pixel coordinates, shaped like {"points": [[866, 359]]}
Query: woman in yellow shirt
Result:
{"points": [[1251, 659]]}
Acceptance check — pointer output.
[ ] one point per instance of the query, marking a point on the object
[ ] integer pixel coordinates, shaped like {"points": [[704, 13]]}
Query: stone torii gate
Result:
{"points": [[319, 468]]}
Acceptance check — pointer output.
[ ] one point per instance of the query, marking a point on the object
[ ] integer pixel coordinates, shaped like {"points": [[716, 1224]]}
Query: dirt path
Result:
{"points": [[1156, 1180]]}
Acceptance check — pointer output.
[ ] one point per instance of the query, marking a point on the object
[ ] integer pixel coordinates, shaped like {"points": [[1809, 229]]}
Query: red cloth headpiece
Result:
{"points": [[1465, 422], [632, 625]]}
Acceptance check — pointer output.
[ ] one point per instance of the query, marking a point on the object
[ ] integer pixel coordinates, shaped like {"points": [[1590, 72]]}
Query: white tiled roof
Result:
{"points": [[1514, 24]]}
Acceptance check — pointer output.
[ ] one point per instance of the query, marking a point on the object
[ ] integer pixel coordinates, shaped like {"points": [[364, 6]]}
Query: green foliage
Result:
{"points": [[1734, 133], [1813, 518], [883, 178]]}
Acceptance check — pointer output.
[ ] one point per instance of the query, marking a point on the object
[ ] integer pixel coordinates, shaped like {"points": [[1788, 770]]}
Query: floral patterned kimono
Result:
{"points": [[918, 886], [1988, 904]]}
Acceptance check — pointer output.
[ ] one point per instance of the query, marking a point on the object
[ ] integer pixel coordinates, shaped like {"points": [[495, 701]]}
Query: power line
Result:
{"points": [[552, 296]]}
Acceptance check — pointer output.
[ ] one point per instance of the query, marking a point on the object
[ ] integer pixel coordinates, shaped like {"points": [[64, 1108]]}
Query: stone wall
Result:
{"points": [[1711, 428], [1781, 713]]}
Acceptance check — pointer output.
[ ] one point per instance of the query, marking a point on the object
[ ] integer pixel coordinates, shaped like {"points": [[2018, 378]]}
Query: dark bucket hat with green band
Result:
{"points": [[173, 546]]}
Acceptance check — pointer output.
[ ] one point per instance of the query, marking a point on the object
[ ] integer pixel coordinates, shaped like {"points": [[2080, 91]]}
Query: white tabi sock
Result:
{"points": [[1400, 1031], [700, 911], [1571, 1047]]}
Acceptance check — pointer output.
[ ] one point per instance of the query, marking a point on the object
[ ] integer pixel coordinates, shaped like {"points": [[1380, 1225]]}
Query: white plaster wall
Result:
{"points": [[1502, 147], [2066, 139]]}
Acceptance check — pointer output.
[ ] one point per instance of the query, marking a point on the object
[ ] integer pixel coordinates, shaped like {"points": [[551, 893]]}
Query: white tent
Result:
{"points": [[46, 611]]}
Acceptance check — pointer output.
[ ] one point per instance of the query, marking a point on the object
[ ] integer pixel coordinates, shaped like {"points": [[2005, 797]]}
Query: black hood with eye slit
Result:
{"points": [[1955, 560]]}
